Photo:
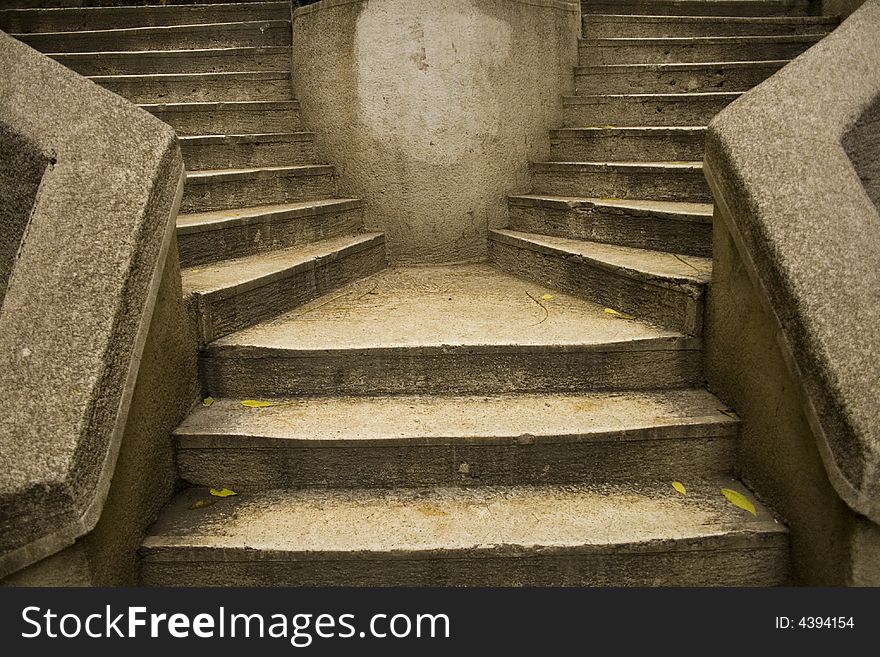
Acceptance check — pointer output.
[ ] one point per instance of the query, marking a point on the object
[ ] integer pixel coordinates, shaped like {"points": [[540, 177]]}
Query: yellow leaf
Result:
{"points": [[677, 485], [740, 500], [729, 413], [207, 401], [201, 504], [547, 297], [222, 492], [618, 315], [252, 403]]}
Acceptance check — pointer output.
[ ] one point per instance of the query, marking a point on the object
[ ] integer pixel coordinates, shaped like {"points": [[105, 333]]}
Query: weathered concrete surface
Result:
{"points": [[454, 98], [514, 536], [77, 308], [841, 8], [804, 228]]}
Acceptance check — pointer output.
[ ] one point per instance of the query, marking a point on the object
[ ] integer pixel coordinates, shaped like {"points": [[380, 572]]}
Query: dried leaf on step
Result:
{"points": [[222, 492], [547, 297], [618, 315], [740, 500], [253, 403], [201, 504], [729, 413], [207, 401], [677, 485]]}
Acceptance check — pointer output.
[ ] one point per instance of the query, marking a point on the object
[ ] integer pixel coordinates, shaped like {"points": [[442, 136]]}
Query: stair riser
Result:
{"points": [[715, 8], [632, 112], [198, 90], [414, 371], [679, 308], [602, 28], [616, 226], [591, 55], [229, 121], [590, 461], [205, 195], [236, 155], [158, 62], [218, 317], [601, 147], [665, 82], [256, 237], [729, 562], [675, 185], [110, 18], [184, 38]]}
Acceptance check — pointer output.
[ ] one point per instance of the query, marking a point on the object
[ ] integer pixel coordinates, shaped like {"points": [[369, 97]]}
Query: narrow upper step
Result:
{"points": [[512, 536], [642, 110], [199, 87], [200, 60], [228, 118], [623, 26], [456, 440], [698, 7], [611, 143]]}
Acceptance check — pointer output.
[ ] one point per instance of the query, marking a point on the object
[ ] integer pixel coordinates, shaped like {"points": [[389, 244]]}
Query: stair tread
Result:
{"points": [[240, 274], [255, 137], [443, 307], [683, 95], [211, 75], [703, 40], [637, 517], [599, 69], [221, 105], [184, 52], [625, 166], [629, 130], [214, 27], [658, 266], [441, 419], [703, 210], [680, 18], [219, 174], [197, 221]]}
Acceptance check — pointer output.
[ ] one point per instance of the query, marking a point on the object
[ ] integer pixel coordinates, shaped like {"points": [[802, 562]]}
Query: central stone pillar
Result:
{"points": [[432, 110]]}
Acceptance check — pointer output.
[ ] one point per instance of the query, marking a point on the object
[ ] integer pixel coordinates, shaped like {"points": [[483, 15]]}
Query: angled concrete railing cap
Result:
{"points": [[788, 164], [92, 211]]}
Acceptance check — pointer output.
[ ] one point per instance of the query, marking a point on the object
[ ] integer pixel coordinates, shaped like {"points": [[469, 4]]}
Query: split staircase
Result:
{"points": [[515, 422]]}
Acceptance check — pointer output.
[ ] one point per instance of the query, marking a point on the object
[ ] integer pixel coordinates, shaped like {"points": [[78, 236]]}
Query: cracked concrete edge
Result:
{"points": [[761, 166], [84, 495]]}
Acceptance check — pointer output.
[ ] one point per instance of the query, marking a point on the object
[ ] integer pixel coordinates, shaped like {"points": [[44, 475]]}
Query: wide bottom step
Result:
{"points": [[493, 536]]}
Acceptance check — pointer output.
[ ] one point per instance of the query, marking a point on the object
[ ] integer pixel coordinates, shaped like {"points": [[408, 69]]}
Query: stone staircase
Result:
{"points": [[517, 422]]}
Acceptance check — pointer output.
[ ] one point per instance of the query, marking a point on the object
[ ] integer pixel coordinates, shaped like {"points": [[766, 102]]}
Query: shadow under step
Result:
{"points": [[247, 151], [221, 189], [174, 37], [623, 26], [684, 228], [56, 19], [661, 110], [232, 294], [670, 50], [228, 118], [387, 441], [207, 60], [481, 536], [210, 236], [662, 288], [662, 181], [456, 330], [672, 78], [199, 87]]}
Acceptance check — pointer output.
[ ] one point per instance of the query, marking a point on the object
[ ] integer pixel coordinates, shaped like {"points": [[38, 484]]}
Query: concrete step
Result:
{"points": [[669, 50], [663, 288], [233, 294], [210, 60], [456, 330], [199, 87], [73, 18], [622, 26], [627, 535], [175, 37], [210, 236], [675, 144], [698, 7], [434, 440], [683, 228], [243, 151], [228, 118], [30, 4], [661, 181], [645, 110], [671, 78], [222, 189]]}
